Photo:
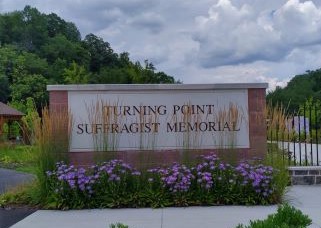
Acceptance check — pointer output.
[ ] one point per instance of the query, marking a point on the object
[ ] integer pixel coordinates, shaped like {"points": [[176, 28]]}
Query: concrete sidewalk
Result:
{"points": [[305, 198]]}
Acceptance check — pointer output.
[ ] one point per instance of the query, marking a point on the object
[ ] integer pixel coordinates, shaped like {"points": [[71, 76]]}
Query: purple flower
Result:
{"points": [[221, 166], [256, 176], [136, 173], [176, 178]]}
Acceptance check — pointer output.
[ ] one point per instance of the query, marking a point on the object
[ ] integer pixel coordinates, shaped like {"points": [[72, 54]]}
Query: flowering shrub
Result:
{"points": [[205, 169], [258, 178], [117, 184], [114, 170], [177, 178], [110, 178]]}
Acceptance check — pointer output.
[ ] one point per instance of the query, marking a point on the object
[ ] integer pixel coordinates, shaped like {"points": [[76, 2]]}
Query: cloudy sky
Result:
{"points": [[203, 41]]}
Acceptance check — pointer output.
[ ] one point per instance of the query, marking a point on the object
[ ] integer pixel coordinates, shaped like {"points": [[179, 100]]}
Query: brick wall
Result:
{"points": [[257, 122], [58, 101]]}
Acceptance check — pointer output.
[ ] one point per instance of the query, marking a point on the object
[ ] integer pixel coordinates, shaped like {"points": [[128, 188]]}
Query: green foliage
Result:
{"points": [[4, 88], [60, 47], [311, 108], [56, 25], [118, 225], [286, 217], [38, 49], [21, 195], [101, 54], [279, 161], [298, 90], [76, 74], [31, 115], [30, 86], [21, 158]]}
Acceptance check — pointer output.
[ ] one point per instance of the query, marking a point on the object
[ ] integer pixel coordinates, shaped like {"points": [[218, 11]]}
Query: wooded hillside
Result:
{"points": [[299, 89], [38, 49]]}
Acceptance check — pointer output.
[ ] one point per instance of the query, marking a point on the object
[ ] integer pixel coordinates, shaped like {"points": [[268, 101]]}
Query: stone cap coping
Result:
{"points": [[139, 87], [304, 168]]}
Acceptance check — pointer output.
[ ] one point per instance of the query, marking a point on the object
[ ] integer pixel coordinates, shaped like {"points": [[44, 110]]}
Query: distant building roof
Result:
{"points": [[7, 111]]}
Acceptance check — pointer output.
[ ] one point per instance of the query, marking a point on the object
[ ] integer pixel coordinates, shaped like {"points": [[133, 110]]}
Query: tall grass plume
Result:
{"points": [[51, 140]]}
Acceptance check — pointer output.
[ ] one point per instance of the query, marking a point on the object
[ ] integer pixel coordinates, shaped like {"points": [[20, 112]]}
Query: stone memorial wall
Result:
{"points": [[162, 122]]}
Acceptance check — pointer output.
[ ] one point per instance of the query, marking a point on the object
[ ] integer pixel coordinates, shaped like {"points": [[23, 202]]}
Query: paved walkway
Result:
{"points": [[305, 198], [10, 179]]}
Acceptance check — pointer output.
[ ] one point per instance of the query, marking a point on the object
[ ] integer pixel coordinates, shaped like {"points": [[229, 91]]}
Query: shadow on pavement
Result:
{"points": [[10, 216]]}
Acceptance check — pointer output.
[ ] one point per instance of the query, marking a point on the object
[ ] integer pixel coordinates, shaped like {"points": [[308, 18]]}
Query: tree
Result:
{"points": [[30, 86], [4, 88], [34, 64], [58, 26], [298, 89], [38, 49], [7, 56], [114, 76], [76, 74], [60, 47], [8, 60], [311, 109], [34, 31], [161, 77], [124, 60], [56, 71], [11, 28], [101, 54]]}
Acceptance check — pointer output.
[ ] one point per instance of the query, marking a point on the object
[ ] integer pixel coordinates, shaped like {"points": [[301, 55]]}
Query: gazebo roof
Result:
{"points": [[6, 111]]}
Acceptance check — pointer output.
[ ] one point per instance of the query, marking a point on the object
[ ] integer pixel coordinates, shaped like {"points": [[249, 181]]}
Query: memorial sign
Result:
{"points": [[159, 120], [168, 119]]}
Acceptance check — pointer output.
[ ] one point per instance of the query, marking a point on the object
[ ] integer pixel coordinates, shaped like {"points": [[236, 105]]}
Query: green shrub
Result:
{"points": [[118, 225], [286, 217], [117, 184], [281, 179], [21, 158], [21, 195]]}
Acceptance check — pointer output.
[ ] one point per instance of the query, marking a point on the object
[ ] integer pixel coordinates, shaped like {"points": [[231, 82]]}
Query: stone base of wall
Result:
{"points": [[305, 175]]}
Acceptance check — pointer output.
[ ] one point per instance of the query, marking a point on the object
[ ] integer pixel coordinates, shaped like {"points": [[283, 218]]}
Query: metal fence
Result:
{"points": [[296, 134]]}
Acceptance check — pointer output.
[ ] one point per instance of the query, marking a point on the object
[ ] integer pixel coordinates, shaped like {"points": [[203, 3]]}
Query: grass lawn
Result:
{"points": [[19, 157]]}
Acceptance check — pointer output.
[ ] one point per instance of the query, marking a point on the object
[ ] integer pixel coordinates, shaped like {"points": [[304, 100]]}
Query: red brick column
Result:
{"points": [[58, 101], [257, 122]]}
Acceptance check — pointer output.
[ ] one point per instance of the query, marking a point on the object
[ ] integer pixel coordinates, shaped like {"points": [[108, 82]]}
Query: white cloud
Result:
{"points": [[229, 35], [298, 23], [204, 41]]}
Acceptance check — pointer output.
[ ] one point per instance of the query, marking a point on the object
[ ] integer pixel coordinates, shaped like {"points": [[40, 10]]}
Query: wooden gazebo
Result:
{"points": [[8, 115]]}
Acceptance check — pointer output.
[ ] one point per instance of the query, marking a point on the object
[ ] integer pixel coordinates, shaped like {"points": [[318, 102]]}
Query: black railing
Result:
{"points": [[297, 134]]}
